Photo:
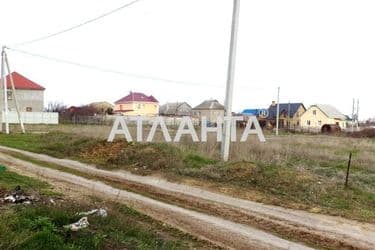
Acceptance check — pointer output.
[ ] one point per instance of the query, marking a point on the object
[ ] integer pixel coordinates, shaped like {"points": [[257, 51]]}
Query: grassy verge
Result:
{"points": [[9, 180], [300, 174], [40, 225]]}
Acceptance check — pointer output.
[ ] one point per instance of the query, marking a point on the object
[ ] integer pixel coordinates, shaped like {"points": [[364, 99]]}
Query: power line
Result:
{"points": [[132, 75], [93, 67], [76, 26]]}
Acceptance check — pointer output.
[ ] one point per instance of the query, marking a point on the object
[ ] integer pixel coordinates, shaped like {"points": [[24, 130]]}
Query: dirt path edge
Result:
{"points": [[324, 230], [217, 230]]}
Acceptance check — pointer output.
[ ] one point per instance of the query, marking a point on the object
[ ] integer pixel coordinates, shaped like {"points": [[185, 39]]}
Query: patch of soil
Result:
{"points": [[104, 150], [121, 154]]}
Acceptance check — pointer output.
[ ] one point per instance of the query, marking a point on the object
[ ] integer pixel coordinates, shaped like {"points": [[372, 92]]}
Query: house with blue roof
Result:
{"points": [[261, 114], [289, 115], [255, 112]]}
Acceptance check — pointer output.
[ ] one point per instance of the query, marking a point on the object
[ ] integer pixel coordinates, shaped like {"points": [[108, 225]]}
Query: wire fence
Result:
{"points": [[107, 120]]}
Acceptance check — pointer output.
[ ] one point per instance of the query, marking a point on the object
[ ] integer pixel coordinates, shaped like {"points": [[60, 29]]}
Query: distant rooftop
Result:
{"points": [[255, 112], [175, 108], [137, 97], [331, 111], [210, 105], [287, 108], [21, 82]]}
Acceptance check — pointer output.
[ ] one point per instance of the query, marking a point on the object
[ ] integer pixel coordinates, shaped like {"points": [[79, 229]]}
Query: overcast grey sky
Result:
{"points": [[318, 51]]}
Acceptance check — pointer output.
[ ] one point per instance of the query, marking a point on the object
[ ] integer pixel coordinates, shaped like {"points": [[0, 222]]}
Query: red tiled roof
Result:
{"points": [[21, 82], [137, 97]]}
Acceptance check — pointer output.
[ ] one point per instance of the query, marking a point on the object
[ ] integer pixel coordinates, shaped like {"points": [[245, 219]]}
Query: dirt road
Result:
{"points": [[318, 229], [217, 230]]}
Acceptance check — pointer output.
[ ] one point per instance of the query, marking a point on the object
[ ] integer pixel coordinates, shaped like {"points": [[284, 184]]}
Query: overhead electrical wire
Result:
{"points": [[93, 67], [126, 74], [76, 26]]}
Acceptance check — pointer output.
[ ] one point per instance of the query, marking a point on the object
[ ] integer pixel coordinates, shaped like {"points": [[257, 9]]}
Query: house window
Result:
{"points": [[29, 109], [120, 107], [320, 122], [138, 106], [10, 95], [314, 112], [308, 122]]}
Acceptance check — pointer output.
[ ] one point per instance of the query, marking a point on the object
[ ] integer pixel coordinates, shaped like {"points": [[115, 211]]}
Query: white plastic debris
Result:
{"points": [[18, 196], [82, 223], [10, 198], [88, 212], [100, 212]]}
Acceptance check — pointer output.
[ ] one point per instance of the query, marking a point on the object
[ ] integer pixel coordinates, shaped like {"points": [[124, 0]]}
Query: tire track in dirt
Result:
{"points": [[224, 233], [327, 231]]}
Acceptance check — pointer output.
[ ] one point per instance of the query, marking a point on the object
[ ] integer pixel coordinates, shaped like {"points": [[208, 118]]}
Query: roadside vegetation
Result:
{"points": [[40, 225], [297, 171]]}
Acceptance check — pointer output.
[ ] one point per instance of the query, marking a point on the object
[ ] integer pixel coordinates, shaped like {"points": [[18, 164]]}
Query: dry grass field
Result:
{"points": [[276, 150], [293, 170]]}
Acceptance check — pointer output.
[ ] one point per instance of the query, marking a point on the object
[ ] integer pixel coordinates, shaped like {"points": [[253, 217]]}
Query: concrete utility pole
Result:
{"points": [[14, 93], [4, 83], [353, 118], [278, 111], [225, 146]]}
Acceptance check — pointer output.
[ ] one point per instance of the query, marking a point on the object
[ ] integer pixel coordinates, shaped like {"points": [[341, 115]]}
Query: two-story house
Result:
{"points": [[30, 95], [137, 104]]}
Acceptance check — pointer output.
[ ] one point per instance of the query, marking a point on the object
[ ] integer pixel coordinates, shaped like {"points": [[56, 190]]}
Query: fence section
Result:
{"points": [[32, 117]]}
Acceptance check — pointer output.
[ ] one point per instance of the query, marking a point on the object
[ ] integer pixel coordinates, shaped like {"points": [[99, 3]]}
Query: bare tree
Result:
{"points": [[56, 107]]}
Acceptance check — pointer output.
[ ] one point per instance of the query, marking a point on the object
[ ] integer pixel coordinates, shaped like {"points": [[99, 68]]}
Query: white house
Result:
{"points": [[30, 95]]}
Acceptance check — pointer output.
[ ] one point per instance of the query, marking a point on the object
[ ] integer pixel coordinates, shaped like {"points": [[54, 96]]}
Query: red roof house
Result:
{"points": [[21, 82], [30, 95], [137, 104], [137, 97]]}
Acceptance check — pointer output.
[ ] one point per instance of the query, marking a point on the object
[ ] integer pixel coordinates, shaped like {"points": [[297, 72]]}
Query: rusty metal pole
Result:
{"points": [[348, 169]]}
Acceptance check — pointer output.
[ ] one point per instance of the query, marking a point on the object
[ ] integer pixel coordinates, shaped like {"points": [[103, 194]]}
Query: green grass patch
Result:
{"points": [[194, 160], [9, 180], [54, 143], [40, 225]]}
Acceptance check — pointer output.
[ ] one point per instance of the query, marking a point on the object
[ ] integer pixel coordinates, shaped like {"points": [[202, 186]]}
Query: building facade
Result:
{"points": [[316, 116], [137, 104], [289, 115], [30, 95], [175, 109], [211, 109]]}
